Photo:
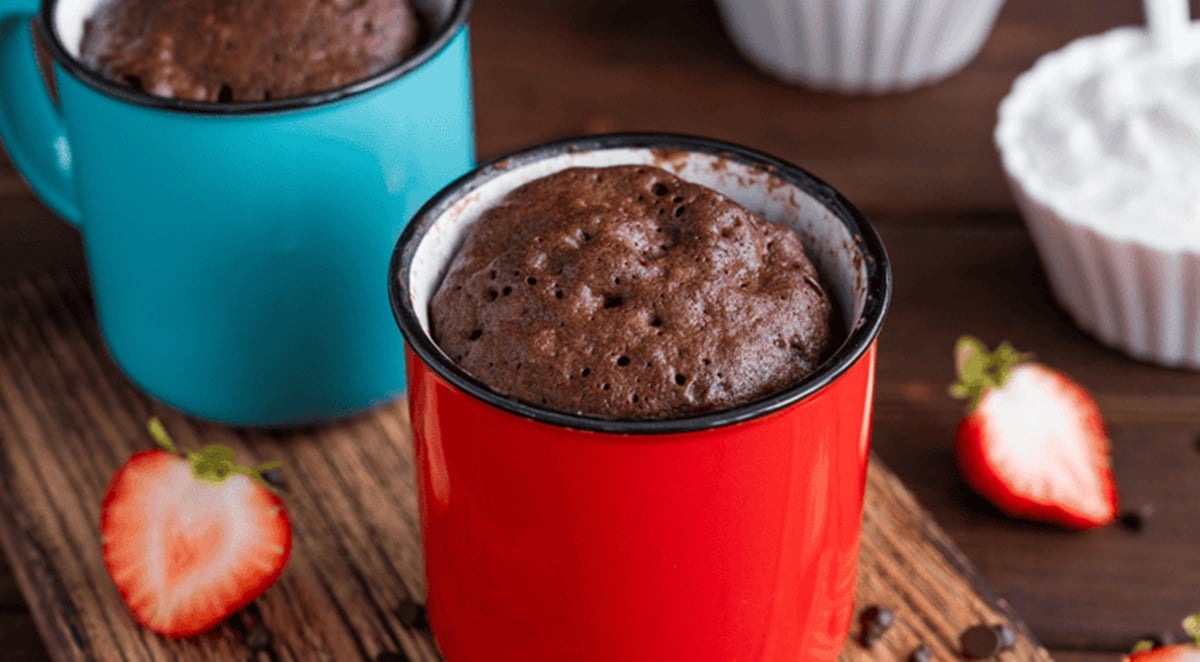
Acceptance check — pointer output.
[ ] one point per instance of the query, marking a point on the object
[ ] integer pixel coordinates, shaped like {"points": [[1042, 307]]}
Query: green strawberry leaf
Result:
{"points": [[158, 432], [1191, 625], [980, 370], [214, 463]]}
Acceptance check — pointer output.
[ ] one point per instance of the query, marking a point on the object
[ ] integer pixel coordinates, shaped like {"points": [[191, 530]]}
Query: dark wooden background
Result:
{"points": [[923, 167]]}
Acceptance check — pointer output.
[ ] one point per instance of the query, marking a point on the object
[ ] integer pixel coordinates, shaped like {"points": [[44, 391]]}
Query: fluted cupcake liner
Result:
{"points": [[859, 46], [1137, 298]]}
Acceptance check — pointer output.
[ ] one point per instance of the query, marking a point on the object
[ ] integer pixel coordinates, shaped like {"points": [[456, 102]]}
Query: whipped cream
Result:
{"points": [[1107, 133]]}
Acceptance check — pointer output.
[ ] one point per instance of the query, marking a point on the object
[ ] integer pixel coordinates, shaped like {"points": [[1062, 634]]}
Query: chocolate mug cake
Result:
{"points": [[628, 292], [216, 50], [551, 534]]}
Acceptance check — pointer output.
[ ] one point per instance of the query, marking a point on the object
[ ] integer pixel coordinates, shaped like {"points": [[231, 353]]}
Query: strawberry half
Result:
{"points": [[1146, 652], [1033, 443], [190, 540]]}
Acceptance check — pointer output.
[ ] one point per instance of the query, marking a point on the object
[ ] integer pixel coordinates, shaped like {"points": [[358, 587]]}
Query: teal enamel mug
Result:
{"points": [[237, 251]]}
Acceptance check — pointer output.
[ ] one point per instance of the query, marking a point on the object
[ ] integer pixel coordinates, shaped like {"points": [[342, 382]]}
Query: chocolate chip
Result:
{"points": [[979, 642], [1135, 520], [253, 611], [869, 634], [882, 615], [259, 638], [274, 478], [411, 614], [874, 621], [922, 653], [391, 656], [1006, 635]]}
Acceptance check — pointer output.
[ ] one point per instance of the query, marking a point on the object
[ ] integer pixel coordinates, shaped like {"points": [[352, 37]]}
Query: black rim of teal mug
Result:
{"points": [[858, 338], [432, 46]]}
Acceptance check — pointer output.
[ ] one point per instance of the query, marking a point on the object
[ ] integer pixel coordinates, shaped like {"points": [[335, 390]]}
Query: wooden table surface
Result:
{"points": [[923, 168], [69, 417]]}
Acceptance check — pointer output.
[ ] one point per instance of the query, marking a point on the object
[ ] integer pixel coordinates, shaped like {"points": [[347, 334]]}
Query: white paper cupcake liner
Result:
{"points": [[860, 46], [1139, 299]]}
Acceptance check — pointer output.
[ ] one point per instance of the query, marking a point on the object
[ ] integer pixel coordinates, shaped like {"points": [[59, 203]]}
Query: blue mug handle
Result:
{"points": [[31, 126]]}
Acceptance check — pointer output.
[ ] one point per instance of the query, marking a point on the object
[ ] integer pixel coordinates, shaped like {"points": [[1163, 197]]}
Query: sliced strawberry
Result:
{"points": [[1034, 443], [189, 541]]}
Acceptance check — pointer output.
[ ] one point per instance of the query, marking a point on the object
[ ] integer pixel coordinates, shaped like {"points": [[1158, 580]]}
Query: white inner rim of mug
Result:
{"points": [[826, 238], [70, 16]]}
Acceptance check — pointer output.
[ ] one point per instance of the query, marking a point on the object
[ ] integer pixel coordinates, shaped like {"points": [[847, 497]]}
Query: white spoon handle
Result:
{"points": [[1168, 21]]}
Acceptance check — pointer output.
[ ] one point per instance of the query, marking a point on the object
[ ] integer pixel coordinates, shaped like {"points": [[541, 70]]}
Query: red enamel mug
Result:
{"points": [[725, 536]]}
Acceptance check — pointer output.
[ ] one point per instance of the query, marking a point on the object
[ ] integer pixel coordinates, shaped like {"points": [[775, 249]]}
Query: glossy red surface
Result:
{"points": [[549, 543]]}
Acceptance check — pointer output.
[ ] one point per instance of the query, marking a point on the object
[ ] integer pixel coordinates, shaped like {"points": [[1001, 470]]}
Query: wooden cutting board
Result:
{"points": [[68, 419]]}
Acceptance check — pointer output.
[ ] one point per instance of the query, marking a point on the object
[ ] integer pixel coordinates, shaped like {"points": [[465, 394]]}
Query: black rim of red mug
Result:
{"points": [[859, 338], [436, 43]]}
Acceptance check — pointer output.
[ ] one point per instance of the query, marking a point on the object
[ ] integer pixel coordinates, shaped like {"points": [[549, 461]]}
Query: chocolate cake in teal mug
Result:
{"points": [[236, 250]]}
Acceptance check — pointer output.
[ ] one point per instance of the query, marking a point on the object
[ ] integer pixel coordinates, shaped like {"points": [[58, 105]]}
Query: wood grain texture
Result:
{"points": [[923, 166], [68, 419]]}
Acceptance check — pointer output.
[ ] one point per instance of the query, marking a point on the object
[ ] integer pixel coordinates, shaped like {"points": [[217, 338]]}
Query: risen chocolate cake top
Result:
{"points": [[627, 292], [224, 50]]}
